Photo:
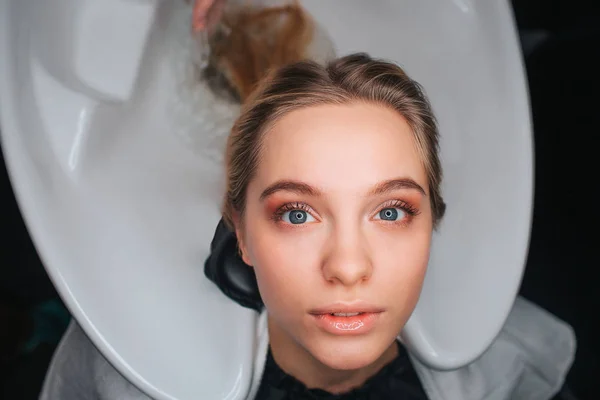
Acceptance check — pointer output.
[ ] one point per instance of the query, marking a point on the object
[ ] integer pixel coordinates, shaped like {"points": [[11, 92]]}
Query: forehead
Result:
{"points": [[340, 147]]}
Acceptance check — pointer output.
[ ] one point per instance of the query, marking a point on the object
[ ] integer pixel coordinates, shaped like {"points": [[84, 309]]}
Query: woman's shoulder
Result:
{"points": [[79, 371], [529, 359]]}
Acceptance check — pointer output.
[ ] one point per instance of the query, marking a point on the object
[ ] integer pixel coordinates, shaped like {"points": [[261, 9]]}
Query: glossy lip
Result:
{"points": [[354, 307], [347, 326]]}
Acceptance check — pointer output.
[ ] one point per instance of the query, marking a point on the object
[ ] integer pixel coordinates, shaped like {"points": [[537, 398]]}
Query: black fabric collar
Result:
{"points": [[397, 380]]}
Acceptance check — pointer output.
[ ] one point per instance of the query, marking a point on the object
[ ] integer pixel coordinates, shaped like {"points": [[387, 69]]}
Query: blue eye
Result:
{"points": [[391, 214], [297, 217]]}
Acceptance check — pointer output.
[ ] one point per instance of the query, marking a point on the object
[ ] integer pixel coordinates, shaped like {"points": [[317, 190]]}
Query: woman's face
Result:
{"points": [[338, 221]]}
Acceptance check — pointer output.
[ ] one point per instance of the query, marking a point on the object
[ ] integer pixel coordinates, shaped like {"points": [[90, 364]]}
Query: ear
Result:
{"points": [[239, 233]]}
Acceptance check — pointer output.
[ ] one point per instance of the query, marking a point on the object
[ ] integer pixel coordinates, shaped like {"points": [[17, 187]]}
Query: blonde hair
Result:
{"points": [[251, 41], [356, 77]]}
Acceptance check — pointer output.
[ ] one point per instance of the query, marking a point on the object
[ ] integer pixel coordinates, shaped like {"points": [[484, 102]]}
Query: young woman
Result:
{"points": [[333, 190]]}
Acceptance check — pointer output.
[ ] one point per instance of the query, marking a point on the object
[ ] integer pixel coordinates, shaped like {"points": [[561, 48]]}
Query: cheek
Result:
{"points": [[286, 265], [401, 261]]}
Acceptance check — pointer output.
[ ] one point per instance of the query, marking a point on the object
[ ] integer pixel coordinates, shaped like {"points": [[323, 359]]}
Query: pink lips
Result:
{"points": [[347, 319]]}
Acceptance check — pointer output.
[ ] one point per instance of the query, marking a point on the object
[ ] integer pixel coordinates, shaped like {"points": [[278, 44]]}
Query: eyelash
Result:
{"points": [[278, 214], [410, 210]]}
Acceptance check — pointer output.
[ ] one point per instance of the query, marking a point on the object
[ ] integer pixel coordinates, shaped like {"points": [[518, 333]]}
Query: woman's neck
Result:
{"points": [[294, 360]]}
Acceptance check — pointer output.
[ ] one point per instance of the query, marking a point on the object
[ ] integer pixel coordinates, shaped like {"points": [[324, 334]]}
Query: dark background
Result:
{"points": [[561, 44]]}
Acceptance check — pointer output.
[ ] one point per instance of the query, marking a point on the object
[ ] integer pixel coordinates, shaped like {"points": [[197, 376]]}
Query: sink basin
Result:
{"points": [[122, 201]]}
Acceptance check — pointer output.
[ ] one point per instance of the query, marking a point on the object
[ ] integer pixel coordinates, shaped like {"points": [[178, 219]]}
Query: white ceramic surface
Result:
{"points": [[122, 210]]}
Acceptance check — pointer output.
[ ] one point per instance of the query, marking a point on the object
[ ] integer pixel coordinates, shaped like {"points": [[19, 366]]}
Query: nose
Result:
{"points": [[348, 261]]}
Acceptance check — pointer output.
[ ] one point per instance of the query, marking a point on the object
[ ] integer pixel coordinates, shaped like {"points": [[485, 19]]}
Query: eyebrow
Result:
{"points": [[305, 189], [290, 186], [396, 184]]}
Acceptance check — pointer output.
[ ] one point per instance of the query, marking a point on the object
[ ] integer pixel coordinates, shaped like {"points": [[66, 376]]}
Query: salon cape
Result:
{"points": [[528, 360]]}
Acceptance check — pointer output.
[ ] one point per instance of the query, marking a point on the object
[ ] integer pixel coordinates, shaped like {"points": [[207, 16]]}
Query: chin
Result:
{"points": [[349, 353]]}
